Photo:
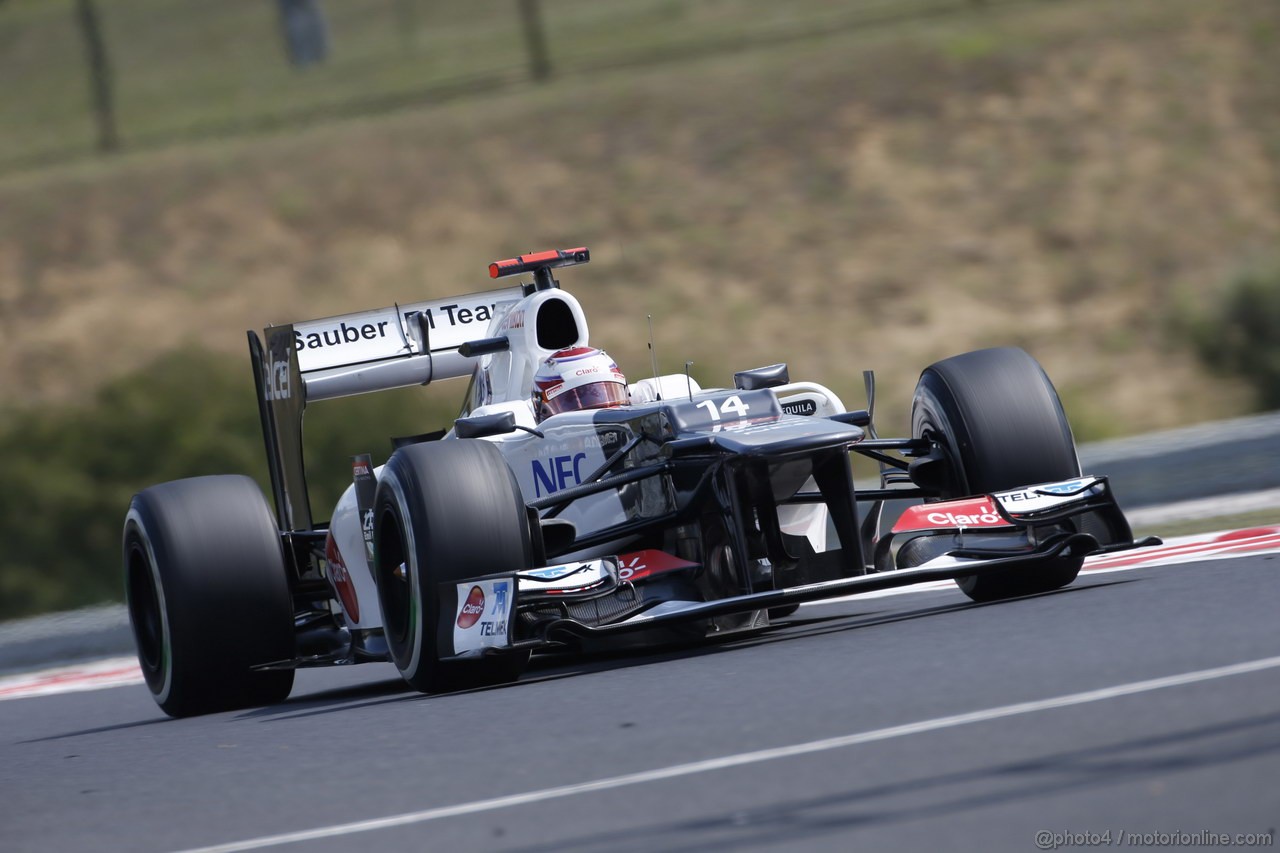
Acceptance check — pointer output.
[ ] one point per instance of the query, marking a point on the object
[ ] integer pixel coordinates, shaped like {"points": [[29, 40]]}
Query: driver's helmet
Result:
{"points": [[578, 378]]}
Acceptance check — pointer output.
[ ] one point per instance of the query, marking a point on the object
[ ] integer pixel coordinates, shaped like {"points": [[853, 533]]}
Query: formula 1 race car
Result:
{"points": [[566, 508]]}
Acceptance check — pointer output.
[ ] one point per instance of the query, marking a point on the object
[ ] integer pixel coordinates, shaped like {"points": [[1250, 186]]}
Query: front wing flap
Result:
{"points": [[1037, 512], [952, 569]]}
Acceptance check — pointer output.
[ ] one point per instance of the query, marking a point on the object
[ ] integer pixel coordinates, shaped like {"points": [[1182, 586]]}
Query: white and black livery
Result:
{"points": [[664, 515]]}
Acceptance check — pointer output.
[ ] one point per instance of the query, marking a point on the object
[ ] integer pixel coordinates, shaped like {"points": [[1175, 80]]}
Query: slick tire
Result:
{"points": [[208, 595], [444, 511], [999, 420]]}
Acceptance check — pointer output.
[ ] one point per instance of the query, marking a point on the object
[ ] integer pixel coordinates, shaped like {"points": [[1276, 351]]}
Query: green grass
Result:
{"points": [[885, 195], [199, 69], [1239, 521]]}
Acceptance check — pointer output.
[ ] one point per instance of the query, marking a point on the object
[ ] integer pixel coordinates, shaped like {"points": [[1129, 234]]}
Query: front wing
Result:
{"points": [[478, 616]]}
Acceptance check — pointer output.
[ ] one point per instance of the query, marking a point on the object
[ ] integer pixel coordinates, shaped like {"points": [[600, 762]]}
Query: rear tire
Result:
{"points": [[446, 511], [999, 420], [208, 595]]}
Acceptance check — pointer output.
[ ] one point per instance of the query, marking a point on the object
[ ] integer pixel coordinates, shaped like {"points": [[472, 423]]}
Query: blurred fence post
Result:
{"points": [[535, 39], [99, 75], [306, 33]]}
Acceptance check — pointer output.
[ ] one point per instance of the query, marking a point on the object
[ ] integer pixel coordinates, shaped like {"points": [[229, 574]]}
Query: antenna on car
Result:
{"points": [[653, 356], [688, 379], [869, 381]]}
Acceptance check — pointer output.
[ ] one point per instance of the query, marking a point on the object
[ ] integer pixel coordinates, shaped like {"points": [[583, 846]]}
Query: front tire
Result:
{"points": [[208, 595], [999, 421], [444, 511]]}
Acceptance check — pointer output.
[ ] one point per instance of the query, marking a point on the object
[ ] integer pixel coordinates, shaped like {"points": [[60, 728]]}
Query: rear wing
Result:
{"points": [[349, 354]]}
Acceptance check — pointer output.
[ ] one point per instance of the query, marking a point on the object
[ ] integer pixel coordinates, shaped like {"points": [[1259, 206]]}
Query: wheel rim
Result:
{"points": [[144, 610], [393, 581]]}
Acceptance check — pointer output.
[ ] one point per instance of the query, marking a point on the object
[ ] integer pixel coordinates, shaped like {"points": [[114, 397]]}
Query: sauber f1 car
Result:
{"points": [[668, 514]]}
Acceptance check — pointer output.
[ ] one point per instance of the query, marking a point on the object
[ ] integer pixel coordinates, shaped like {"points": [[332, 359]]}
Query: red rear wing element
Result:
{"points": [[539, 261]]}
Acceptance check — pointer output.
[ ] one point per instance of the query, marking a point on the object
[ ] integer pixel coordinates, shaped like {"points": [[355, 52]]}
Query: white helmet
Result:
{"points": [[578, 378]]}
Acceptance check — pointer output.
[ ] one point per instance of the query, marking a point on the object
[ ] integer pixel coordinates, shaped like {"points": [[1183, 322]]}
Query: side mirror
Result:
{"points": [[499, 423], [762, 377], [484, 346]]}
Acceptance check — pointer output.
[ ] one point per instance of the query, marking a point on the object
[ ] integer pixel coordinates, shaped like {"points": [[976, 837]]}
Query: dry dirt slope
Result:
{"points": [[1063, 176]]}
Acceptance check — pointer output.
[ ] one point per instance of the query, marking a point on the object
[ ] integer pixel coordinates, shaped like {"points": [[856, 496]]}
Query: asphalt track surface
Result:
{"points": [[1137, 701]]}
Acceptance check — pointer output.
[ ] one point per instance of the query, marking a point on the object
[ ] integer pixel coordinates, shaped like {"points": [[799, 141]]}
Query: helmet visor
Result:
{"points": [[596, 395]]}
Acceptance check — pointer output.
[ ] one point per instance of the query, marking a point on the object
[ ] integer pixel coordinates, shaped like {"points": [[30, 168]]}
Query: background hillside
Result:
{"points": [[1082, 178]]}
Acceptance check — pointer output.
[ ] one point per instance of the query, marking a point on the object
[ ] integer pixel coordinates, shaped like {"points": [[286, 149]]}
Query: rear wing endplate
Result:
{"points": [[349, 354]]}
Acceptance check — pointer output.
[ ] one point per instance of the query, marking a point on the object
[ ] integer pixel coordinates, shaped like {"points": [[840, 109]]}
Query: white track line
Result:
{"points": [[678, 770]]}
